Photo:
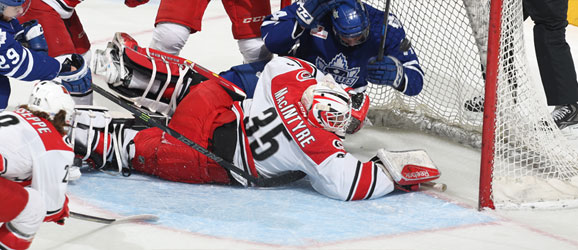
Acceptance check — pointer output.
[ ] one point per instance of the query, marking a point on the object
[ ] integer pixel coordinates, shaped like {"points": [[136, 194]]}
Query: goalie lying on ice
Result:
{"points": [[291, 124]]}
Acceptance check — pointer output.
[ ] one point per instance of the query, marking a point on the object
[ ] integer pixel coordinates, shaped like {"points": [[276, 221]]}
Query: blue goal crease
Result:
{"points": [[293, 215]]}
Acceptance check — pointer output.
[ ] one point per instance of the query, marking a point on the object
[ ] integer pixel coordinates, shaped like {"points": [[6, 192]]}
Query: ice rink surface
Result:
{"points": [[295, 216]]}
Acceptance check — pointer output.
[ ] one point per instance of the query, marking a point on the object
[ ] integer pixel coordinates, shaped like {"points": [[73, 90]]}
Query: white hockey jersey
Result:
{"points": [[275, 137], [34, 154]]}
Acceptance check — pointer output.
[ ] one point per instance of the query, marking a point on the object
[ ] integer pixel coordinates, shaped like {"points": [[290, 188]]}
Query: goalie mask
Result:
{"points": [[328, 105], [50, 97], [350, 23]]}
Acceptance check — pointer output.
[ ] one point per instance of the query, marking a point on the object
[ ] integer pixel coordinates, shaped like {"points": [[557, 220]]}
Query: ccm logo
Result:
{"points": [[256, 19], [415, 175]]}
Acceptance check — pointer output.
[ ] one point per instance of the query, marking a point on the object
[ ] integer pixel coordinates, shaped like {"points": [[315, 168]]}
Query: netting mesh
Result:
{"points": [[534, 164]]}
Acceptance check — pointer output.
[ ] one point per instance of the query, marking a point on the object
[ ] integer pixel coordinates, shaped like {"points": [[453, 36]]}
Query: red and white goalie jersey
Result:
{"points": [[34, 154], [275, 137]]}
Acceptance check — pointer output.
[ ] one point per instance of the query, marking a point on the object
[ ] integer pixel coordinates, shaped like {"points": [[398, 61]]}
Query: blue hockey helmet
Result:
{"points": [[351, 22], [12, 2]]}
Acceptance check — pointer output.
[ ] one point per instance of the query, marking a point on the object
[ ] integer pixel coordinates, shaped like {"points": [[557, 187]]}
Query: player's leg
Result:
{"points": [[21, 213], [203, 110], [247, 16], [64, 37], [153, 79], [175, 21], [55, 31]]}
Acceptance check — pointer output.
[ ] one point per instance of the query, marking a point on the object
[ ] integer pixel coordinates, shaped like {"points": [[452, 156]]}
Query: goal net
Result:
{"points": [[526, 160]]}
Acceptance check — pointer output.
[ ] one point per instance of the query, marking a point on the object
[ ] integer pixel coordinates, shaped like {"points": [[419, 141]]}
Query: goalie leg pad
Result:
{"points": [[90, 132], [408, 168]]}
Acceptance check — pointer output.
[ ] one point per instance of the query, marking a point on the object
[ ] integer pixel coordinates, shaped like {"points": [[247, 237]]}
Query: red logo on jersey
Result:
{"points": [[303, 75]]}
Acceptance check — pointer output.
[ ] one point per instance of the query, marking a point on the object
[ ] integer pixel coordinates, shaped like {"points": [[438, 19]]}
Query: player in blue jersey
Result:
{"points": [[23, 54], [342, 38]]}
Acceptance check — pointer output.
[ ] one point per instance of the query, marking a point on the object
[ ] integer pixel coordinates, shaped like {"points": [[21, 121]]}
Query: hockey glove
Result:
{"points": [[134, 3], [388, 71], [359, 109], [310, 11], [34, 36], [59, 217], [407, 169], [76, 77]]}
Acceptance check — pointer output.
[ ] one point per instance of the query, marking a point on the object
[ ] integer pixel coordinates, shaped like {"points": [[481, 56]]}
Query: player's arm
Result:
{"points": [[50, 178], [343, 177], [400, 66], [26, 64], [280, 30]]}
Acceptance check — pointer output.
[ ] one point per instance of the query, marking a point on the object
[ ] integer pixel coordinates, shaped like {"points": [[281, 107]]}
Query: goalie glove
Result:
{"points": [[407, 169], [359, 109]]}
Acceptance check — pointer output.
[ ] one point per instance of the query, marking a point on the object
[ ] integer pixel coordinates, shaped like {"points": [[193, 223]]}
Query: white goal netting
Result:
{"points": [[534, 164]]}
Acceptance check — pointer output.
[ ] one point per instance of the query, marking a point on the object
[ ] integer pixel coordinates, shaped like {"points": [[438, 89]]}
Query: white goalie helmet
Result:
{"points": [[328, 105], [51, 97]]}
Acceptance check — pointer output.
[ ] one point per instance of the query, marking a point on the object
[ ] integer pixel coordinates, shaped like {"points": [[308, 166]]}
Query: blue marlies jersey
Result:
{"points": [[348, 65], [21, 63]]}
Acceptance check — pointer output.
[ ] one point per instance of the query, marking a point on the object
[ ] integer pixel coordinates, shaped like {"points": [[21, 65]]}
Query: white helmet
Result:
{"points": [[51, 97], [328, 105]]}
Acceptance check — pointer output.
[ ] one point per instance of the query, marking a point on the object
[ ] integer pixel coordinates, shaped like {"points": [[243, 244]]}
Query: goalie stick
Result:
{"points": [[440, 187], [152, 122], [132, 218]]}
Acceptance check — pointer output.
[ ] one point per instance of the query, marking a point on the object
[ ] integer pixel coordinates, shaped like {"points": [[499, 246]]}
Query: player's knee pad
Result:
{"points": [[170, 37], [254, 50]]}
